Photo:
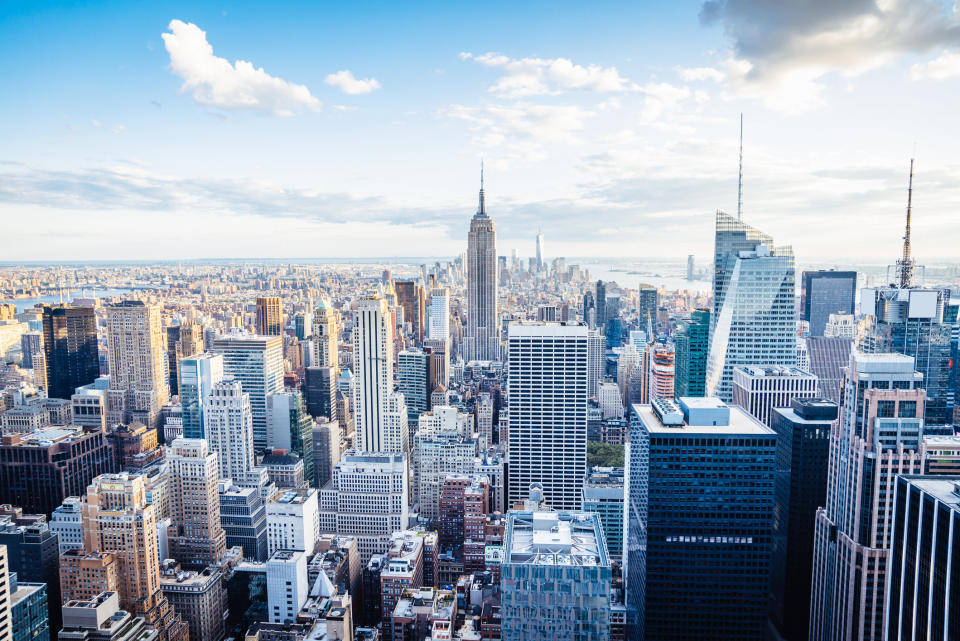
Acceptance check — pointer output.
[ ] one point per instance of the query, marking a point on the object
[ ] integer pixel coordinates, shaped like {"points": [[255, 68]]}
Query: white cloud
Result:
{"points": [[549, 76], [215, 82], [946, 65], [660, 98], [497, 124], [345, 82], [781, 52]]}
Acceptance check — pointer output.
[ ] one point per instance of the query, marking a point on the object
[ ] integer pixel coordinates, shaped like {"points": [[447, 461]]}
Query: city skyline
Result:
{"points": [[637, 130]]}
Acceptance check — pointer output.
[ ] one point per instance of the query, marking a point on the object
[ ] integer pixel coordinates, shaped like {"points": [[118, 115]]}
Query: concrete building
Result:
{"points": [[292, 520], [269, 316], [228, 419], [328, 447], [700, 500], [662, 374], [444, 445], [326, 335], [372, 372], [547, 391], [760, 389], [196, 537], [101, 619], [243, 516], [603, 496], [67, 523], [555, 563], [198, 597], [403, 571], [138, 375], [367, 498], [287, 588]]}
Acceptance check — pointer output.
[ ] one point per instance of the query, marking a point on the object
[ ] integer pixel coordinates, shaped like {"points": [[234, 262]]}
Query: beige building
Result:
{"points": [[136, 354], [326, 334], [195, 534], [269, 316]]}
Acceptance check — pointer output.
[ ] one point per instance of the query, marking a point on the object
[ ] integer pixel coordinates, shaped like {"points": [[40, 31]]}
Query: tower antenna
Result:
{"points": [[740, 177], [905, 264]]}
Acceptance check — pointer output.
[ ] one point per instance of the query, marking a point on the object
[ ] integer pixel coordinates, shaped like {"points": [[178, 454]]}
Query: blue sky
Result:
{"points": [[358, 129]]}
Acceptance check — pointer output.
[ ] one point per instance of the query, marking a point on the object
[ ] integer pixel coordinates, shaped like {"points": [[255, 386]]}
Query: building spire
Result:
{"points": [[482, 209], [740, 177], [906, 264]]}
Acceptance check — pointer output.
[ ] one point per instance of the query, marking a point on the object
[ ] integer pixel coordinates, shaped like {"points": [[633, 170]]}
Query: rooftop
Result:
{"points": [[944, 489], [772, 370], [740, 422], [536, 328], [555, 538]]}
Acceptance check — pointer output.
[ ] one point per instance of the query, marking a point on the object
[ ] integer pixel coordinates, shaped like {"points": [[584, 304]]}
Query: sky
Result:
{"points": [[165, 130]]}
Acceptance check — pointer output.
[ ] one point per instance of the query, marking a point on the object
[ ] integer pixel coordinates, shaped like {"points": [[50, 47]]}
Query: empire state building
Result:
{"points": [[482, 340]]}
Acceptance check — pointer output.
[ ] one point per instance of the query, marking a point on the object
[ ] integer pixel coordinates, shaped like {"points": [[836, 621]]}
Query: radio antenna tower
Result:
{"points": [[740, 178], [906, 264]]}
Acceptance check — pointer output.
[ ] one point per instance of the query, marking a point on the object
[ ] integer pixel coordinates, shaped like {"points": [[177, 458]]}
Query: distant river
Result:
{"points": [[671, 276], [24, 304]]}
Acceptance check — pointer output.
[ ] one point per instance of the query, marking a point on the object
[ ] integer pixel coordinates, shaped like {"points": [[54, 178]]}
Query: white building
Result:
{"points": [[596, 361], [444, 445], [841, 326], [228, 420], [257, 362], [761, 389], [367, 498], [396, 428], [609, 400], [67, 523], [292, 520], [438, 327], [547, 391], [372, 372], [287, 586]]}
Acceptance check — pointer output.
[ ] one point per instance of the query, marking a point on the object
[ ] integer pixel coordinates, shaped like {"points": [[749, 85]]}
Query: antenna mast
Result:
{"points": [[906, 264], [740, 178]]}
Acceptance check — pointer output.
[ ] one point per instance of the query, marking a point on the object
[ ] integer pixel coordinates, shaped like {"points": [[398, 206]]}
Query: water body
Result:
{"points": [[24, 304], [670, 276]]}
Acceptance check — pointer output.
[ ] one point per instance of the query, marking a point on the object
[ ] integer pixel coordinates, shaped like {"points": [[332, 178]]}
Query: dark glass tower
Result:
{"points": [[70, 348], [692, 344], [826, 292]]}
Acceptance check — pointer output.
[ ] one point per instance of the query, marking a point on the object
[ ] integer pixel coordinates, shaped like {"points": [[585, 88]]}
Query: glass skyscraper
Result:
{"points": [[754, 304], [826, 292], [700, 500], [692, 344], [198, 375]]}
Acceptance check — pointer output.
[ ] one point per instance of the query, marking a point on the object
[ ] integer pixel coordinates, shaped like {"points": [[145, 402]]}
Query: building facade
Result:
{"points": [[482, 337]]}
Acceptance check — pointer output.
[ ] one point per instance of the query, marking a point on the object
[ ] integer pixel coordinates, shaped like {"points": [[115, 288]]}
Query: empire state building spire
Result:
{"points": [[482, 208]]}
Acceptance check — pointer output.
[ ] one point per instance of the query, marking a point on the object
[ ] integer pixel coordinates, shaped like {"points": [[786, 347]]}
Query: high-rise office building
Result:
{"points": [[412, 298], [326, 335], [368, 498], [601, 309], [138, 379], [196, 537], [910, 321], [118, 520], [302, 325], [692, 342], [372, 371], [32, 553], [29, 610], [182, 341], [603, 496], [439, 323], [269, 316], [690, 267], [292, 520], [257, 362], [438, 365], [39, 470], [540, 254], [6, 625], [925, 559], [556, 565], [199, 597], [99, 618], [287, 587], [328, 446], [596, 361], [243, 516], [662, 375], [803, 447], [198, 376], [320, 392], [754, 312], [547, 391], [759, 389], [827, 357], [413, 381], [444, 444], [879, 435], [700, 494], [648, 302], [826, 292], [482, 338], [289, 427], [69, 348], [229, 428]]}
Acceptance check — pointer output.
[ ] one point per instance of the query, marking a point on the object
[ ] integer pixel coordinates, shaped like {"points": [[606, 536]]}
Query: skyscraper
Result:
{"points": [[754, 313], [692, 343], [320, 392], [118, 520], [648, 301], [198, 375], [70, 348], [540, 254], [257, 362], [229, 429], [326, 334], [596, 361], [700, 498], [482, 338], [662, 370], [803, 446], [195, 537], [759, 390], [6, 625], [289, 427], [439, 324], [182, 341], [826, 292], [413, 381], [601, 308], [879, 435], [925, 560], [372, 371], [269, 316], [547, 391], [412, 298], [138, 380]]}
